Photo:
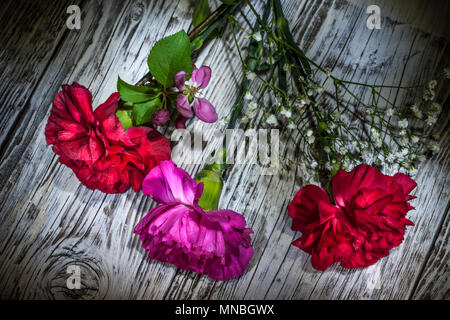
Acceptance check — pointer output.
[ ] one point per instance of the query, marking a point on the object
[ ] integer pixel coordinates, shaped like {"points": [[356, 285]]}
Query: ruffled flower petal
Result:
{"points": [[367, 220], [215, 243], [192, 240], [96, 147], [347, 184], [170, 185]]}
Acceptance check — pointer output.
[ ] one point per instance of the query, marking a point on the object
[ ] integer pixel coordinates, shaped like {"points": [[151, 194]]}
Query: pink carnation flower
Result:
{"points": [[215, 243]]}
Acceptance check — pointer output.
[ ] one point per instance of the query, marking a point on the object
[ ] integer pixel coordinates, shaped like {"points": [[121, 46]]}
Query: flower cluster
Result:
{"points": [[395, 135], [95, 145], [190, 94], [366, 220], [178, 231]]}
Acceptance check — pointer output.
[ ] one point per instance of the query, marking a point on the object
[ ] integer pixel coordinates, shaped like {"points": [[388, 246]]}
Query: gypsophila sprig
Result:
{"points": [[340, 126]]}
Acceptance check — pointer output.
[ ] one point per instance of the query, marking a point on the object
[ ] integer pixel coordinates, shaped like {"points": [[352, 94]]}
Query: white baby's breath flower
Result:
{"points": [[414, 139], [250, 113], [403, 123], [432, 84], [248, 96], [320, 90], [342, 150], [429, 95], [253, 105], [390, 158], [378, 143], [402, 133], [314, 164], [272, 120], [365, 154], [369, 110], [250, 75], [286, 67], [286, 113], [412, 171], [390, 112], [327, 149], [309, 133], [375, 133], [431, 120], [257, 36], [311, 139]]}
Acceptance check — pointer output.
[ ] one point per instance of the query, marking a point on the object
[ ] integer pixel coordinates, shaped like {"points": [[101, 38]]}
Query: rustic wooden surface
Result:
{"points": [[49, 221]]}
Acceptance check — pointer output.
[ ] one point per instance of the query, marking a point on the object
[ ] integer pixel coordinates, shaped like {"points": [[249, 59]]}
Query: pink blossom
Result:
{"points": [[191, 94], [215, 243]]}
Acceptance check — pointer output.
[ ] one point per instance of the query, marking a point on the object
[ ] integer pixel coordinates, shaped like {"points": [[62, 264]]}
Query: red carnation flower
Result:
{"points": [[366, 221], [96, 147]]}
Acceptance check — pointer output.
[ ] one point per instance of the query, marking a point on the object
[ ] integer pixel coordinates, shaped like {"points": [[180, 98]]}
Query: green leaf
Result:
{"points": [[143, 112], [125, 119], [212, 188], [169, 56], [135, 94], [201, 12]]}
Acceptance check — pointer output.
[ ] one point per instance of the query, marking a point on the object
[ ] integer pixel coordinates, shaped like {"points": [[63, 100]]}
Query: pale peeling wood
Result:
{"points": [[50, 221]]}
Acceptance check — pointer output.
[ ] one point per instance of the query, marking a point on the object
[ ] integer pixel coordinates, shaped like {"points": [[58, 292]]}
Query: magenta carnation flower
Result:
{"points": [[215, 243]]}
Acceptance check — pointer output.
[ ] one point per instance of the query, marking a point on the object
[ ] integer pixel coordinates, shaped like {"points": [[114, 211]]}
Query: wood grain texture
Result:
{"points": [[49, 221]]}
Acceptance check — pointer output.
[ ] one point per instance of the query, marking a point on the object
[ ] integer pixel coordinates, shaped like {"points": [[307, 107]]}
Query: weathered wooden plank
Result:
{"points": [[49, 221], [280, 272], [435, 278], [29, 39]]}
